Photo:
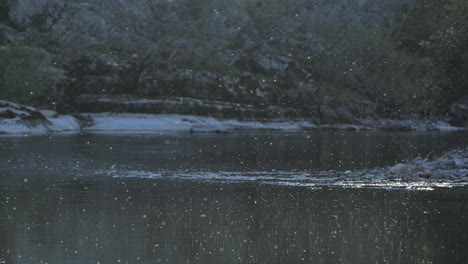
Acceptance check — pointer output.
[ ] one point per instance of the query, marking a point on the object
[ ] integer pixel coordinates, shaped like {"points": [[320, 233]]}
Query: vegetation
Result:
{"points": [[3, 11], [402, 57], [26, 75], [446, 65], [413, 61]]}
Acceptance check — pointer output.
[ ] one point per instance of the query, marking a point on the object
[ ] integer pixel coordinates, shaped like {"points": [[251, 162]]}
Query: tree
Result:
{"points": [[446, 66], [3, 11]]}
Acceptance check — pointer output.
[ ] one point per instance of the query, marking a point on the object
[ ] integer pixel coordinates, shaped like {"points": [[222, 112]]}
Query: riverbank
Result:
{"points": [[17, 119]]}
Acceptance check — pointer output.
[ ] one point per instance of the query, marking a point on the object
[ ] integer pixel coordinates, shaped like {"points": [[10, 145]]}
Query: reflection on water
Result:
{"points": [[340, 150], [156, 221], [54, 209]]}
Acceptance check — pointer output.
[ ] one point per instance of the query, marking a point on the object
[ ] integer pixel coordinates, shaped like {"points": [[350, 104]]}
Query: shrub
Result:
{"points": [[27, 75], [446, 65], [3, 11]]}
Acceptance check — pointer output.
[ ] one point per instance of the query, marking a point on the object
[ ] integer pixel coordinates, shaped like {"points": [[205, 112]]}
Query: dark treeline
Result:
{"points": [[401, 56]]}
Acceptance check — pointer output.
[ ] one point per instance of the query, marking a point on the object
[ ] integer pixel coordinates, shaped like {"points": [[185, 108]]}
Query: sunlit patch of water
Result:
{"points": [[285, 178]]}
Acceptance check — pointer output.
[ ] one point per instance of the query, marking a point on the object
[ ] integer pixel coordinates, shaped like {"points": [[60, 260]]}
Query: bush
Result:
{"points": [[446, 65], [27, 75], [3, 11]]}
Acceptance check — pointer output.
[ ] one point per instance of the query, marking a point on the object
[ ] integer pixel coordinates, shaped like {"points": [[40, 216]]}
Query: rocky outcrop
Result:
{"points": [[20, 119], [177, 114], [9, 110]]}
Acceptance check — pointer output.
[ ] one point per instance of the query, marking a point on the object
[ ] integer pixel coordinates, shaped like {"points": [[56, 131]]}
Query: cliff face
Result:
{"points": [[282, 52]]}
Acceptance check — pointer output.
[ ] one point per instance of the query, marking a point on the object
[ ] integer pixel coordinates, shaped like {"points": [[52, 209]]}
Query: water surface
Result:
{"points": [[60, 201]]}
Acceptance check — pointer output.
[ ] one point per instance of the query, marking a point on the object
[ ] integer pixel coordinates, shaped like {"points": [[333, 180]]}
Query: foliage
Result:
{"points": [[26, 75], [3, 11], [383, 62], [394, 55], [446, 65], [417, 61], [191, 33], [424, 19]]}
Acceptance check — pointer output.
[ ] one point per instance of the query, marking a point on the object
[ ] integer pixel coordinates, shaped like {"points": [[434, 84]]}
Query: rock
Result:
{"points": [[10, 110], [20, 119]]}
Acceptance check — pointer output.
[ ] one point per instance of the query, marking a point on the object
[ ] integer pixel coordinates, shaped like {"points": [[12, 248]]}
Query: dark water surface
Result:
{"points": [[60, 204]]}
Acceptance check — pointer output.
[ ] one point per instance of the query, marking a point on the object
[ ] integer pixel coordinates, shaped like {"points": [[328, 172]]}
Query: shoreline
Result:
{"points": [[21, 120]]}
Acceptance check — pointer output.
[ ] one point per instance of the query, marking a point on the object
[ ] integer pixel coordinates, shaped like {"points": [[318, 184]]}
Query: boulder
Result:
{"points": [[21, 119], [10, 110]]}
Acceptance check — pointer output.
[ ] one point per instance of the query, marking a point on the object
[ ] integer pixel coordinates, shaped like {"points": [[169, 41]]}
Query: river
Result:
{"points": [[213, 198]]}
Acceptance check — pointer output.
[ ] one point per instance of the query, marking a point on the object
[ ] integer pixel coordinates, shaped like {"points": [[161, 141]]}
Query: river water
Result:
{"points": [[214, 198]]}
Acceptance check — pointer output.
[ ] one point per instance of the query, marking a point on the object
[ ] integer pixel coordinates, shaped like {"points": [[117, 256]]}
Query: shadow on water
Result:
{"points": [[315, 150]]}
